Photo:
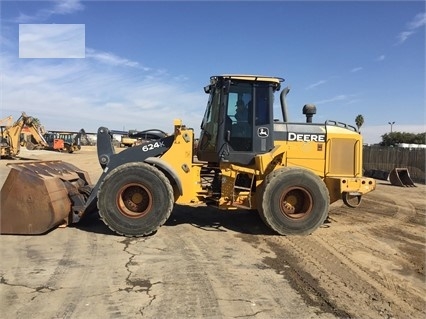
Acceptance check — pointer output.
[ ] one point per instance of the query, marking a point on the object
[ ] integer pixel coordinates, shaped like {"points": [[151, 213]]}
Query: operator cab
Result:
{"points": [[238, 122]]}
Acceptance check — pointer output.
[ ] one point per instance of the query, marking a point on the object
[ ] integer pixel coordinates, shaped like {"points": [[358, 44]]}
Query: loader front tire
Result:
{"points": [[135, 199], [294, 201]]}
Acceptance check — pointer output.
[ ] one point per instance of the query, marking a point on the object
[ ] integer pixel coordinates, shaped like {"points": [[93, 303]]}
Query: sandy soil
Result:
{"points": [[366, 262]]}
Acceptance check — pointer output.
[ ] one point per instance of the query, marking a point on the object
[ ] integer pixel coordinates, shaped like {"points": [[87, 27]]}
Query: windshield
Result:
{"points": [[209, 126], [236, 111], [239, 116]]}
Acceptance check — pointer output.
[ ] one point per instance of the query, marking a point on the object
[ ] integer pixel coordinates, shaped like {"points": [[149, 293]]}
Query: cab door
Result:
{"points": [[249, 131]]}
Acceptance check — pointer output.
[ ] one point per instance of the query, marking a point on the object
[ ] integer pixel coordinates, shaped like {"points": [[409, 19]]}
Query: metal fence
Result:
{"points": [[385, 159]]}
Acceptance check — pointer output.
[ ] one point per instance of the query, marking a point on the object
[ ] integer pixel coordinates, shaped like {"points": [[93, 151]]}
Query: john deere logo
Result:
{"points": [[263, 132]]}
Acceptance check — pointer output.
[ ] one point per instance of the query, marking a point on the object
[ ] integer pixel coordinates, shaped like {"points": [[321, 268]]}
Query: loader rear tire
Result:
{"points": [[135, 199], [294, 201]]}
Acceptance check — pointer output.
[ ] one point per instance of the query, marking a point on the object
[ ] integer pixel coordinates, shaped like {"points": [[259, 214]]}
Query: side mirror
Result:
{"points": [[207, 89]]}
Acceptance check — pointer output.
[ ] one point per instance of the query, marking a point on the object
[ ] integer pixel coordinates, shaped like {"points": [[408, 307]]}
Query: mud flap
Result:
{"points": [[39, 196], [401, 177]]}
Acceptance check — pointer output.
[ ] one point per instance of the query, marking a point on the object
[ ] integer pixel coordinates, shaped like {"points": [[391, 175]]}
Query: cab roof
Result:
{"points": [[261, 78]]}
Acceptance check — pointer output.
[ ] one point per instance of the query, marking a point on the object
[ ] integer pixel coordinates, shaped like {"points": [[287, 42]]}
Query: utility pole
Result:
{"points": [[391, 124]]}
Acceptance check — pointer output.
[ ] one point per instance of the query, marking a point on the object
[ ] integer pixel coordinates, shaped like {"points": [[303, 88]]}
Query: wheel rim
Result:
{"points": [[296, 203], [134, 200]]}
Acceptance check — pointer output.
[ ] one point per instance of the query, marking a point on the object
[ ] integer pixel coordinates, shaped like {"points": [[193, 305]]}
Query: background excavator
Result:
{"points": [[10, 142], [289, 172]]}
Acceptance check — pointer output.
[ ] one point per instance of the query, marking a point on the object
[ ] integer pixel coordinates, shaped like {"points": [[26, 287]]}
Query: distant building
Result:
{"points": [[406, 145]]}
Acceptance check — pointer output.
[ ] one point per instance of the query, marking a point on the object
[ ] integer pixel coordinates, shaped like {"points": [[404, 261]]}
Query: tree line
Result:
{"points": [[394, 138], [391, 139]]}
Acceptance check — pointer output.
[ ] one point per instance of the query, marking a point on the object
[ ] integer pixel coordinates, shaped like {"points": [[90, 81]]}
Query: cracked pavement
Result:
{"points": [[205, 263], [174, 273]]}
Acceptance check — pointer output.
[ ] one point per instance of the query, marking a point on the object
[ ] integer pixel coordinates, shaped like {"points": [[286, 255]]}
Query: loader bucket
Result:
{"points": [[401, 177], [39, 196]]}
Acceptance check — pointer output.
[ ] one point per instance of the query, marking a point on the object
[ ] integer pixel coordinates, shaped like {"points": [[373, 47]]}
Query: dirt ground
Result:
{"points": [[367, 262]]}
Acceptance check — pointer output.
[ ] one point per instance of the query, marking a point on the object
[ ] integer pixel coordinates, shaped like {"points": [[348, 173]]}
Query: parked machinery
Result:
{"points": [[10, 143], [289, 172], [63, 141]]}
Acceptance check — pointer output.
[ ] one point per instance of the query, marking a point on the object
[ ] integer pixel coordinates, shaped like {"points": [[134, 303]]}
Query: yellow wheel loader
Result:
{"points": [[289, 172]]}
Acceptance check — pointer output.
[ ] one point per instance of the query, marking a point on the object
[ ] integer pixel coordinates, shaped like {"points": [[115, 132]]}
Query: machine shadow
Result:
{"points": [[92, 223], [213, 219], [202, 217]]}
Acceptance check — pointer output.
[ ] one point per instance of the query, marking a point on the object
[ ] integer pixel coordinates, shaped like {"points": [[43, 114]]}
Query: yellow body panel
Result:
{"points": [[180, 158], [337, 161], [337, 186]]}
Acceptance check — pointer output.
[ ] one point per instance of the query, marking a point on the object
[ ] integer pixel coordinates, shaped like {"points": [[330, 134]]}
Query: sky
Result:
{"points": [[140, 64]]}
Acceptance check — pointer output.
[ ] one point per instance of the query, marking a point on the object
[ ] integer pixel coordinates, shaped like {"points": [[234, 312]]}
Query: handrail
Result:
{"points": [[340, 124]]}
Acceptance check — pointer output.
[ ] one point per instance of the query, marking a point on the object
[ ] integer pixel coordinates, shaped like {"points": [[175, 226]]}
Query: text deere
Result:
{"points": [[306, 137]]}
